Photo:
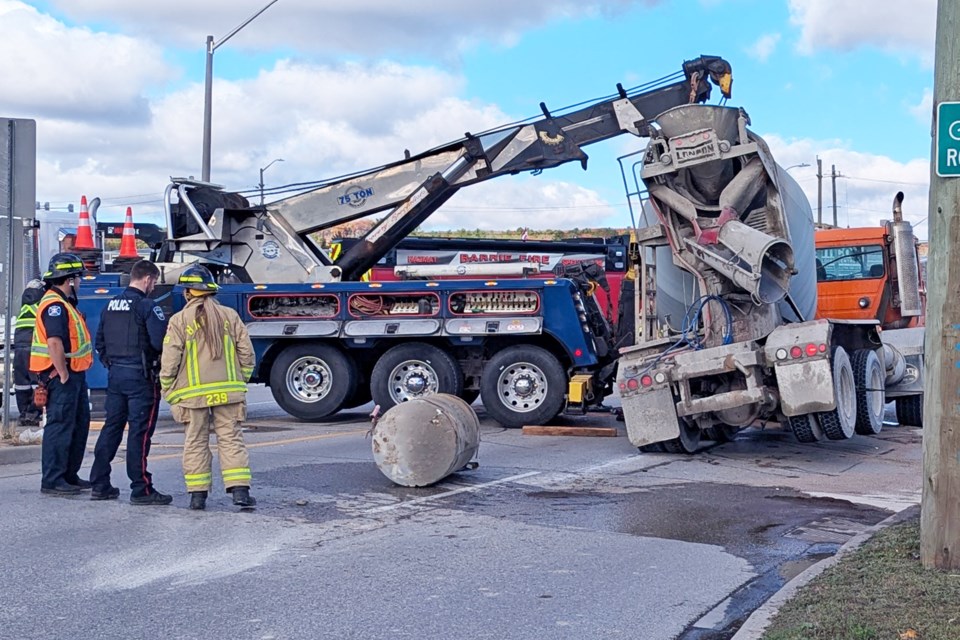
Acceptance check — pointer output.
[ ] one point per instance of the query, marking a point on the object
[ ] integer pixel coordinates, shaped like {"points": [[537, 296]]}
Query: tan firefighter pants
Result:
{"points": [[197, 459]]}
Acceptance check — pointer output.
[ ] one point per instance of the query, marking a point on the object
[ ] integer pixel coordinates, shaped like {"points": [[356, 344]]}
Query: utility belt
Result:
{"points": [[150, 368]]}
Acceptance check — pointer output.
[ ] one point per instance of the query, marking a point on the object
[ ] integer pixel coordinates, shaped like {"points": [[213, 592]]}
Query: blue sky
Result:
{"points": [[332, 86]]}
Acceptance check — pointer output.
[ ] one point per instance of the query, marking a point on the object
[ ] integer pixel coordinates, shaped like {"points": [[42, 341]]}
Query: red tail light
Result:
{"points": [[632, 384], [796, 352], [811, 349], [646, 381]]}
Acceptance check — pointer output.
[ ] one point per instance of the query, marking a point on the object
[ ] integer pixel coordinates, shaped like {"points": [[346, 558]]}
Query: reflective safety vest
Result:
{"points": [[81, 358], [27, 317]]}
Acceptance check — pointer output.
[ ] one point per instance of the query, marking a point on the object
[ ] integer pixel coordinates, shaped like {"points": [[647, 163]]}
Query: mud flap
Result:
{"points": [[650, 416], [805, 387]]}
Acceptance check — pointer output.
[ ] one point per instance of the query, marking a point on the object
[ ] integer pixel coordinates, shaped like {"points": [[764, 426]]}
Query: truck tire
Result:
{"points": [[523, 385], [722, 433], [312, 381], [805, 428], [841, 423], [687, 442], [656, 447], [910, 411], [869, 376], [412, 370], [360, 397]]}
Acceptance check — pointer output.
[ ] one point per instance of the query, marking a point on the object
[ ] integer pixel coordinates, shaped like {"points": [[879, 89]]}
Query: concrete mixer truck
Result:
{"points": [[727, 333]]}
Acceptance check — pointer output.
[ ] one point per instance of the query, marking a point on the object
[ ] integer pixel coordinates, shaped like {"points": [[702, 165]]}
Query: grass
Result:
{"points": [[880, 591]]}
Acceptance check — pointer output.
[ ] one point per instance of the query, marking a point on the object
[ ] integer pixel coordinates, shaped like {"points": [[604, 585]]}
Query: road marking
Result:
{"points": [[446, 494], [273, 443]]}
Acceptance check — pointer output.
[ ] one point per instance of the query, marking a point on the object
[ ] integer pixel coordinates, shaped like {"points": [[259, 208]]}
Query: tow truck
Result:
{"points": [[326, 341]]}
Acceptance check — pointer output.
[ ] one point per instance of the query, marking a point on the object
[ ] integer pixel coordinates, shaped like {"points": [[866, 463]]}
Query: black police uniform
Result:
{"points": [[129, 342], [22, 341], [68, 408]]}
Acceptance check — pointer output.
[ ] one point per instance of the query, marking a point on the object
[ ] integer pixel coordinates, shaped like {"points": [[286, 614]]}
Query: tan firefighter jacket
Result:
{"points": [[189, 376]]}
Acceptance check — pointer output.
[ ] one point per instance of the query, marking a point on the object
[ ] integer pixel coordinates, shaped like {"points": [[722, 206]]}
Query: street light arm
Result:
{"points": [[224, 39], [213, 45]]}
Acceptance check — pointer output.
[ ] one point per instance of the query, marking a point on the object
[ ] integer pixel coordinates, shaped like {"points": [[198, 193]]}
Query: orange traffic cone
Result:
{"points": [[84, 233], [128, 241]]}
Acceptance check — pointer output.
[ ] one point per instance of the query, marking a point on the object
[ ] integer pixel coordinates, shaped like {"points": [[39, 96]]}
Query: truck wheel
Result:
{"points": [[805, 428], [722, 433], [869, 375], [523, 385], [412, 370], [312, 381], [841, 423], [656, 447], [910, 411], [688, 442], [360, 397]]}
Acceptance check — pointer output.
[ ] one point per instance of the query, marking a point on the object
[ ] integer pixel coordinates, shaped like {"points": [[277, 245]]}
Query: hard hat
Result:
{"points": [[198, 278], [63, 265]]}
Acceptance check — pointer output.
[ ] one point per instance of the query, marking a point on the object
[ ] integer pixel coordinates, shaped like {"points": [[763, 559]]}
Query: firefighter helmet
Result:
{"points": [[63, 265], [198, 278]]}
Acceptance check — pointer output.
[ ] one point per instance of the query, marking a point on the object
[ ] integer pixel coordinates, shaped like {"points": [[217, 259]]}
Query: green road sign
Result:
{"points": [[948, 139]]}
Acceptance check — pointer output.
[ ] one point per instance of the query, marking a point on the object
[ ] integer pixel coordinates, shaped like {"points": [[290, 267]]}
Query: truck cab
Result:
{"points": [[858, 278]]}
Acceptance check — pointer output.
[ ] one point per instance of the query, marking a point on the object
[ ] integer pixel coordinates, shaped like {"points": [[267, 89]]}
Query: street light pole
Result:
{"points": [[797, 166], [212, 46], [207, 110], [261, 177]]}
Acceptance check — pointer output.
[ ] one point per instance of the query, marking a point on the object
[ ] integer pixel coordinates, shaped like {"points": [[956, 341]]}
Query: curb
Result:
{"points": [[19, 454], [760, 619]]}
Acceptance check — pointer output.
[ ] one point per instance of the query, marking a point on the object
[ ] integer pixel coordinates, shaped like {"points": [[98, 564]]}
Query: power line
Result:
{"points": [[915, 184]]}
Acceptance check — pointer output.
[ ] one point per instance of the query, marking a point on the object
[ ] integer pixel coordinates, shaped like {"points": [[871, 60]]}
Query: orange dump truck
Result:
{"points": [[873, 273]]}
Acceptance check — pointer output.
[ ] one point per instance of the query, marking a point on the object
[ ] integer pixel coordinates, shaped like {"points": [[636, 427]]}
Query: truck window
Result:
{"points": [[850, 263]]}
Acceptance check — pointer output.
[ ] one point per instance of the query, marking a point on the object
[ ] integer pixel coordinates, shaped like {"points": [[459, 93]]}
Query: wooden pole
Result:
{"points": [[940, 513], [833, 183], [819, 191]]}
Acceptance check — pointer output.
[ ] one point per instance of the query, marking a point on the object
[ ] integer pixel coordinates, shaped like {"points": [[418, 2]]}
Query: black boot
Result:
{"points": [[198, 500], [242, 497]]}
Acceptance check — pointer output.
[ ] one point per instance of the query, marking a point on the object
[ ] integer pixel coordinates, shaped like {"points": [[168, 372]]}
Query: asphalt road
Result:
{"points": [[551, 537]]}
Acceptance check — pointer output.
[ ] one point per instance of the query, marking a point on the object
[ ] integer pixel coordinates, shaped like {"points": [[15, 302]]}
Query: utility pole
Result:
{"points": [[939, 533], [819, 190], [833, 181]]}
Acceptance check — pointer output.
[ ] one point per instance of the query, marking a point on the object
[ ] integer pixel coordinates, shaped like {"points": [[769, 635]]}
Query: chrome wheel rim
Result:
{"points": [[522, 387], [309, 379], [412, 379]]}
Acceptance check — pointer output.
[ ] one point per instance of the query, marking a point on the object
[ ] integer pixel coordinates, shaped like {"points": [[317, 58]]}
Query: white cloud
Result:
{"points": [[923, 111], [54, 71], [764, 47], [368, 27], [868, 184], [533, 202], [891, 25], [290, 112]]}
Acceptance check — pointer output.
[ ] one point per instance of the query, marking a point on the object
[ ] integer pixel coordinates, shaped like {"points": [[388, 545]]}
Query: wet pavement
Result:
{"points": [[557, 537]]}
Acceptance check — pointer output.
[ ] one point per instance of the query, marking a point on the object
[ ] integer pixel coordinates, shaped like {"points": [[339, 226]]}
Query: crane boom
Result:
{"points": [[416, 186]]}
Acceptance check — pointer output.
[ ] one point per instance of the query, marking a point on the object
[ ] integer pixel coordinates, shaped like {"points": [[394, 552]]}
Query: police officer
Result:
{"points": [[60, 355], [129, 341], [22, 338], [207, 359]]}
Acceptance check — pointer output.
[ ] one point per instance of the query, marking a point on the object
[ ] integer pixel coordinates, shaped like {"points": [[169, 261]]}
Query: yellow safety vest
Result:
{"points": [[28, 316]]}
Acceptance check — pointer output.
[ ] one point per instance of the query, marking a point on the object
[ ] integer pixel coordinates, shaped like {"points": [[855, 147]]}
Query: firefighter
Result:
{"points": [[135, 325], [207, 359], [60, 354], [22, 338]]}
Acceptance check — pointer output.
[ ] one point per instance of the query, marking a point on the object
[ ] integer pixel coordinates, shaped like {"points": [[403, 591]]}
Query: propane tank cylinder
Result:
{"points": [[422, 441]]}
